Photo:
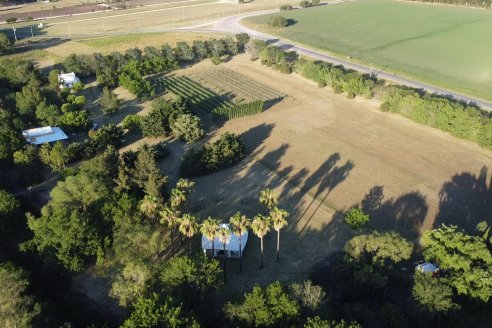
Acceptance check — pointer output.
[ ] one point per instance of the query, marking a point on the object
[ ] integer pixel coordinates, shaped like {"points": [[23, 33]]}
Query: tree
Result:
{"points": [[130, 284], [5, 44], [188, 227], [356, 218], [188, 128], [242, 40], [150, 207], [317, 322], [315, 2], [255, 47], [185, 185], [75, 121], [109, 101], [132, 122], [379, 248], [17, 309], [261, 226], [432, 293], [8, 203], [209, 228], [268, 198], [308, 295], [48, 114], [178, 197], [29, 98], [223, 234], [270, 306], [277, 217], [147, 174], [305, 4], [184, 52], [56, 157], [200, 50], [107, 135], [239, 226], [156, 311], [170, 218], [467, 259], [277, 21]]}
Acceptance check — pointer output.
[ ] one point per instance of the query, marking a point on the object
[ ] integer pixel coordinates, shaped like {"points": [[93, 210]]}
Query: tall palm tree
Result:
{"points": [[261, 226], [209, 229], [150, 207], [185, 185], [278, 216], [268, 198], [224, 236], [177, 198], [170, 218], [188, 226], [239, 226]]}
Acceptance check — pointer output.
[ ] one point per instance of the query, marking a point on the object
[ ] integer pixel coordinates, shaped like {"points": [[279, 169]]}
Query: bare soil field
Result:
{"points": [[324, 153]]}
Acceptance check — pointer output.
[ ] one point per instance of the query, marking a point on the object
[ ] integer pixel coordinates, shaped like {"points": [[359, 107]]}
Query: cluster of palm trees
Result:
{"points": [[170, 215]]}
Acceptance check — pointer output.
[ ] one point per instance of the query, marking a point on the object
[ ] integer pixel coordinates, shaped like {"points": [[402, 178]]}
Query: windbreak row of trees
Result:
{"points": [[459, 119], [238, 110]]}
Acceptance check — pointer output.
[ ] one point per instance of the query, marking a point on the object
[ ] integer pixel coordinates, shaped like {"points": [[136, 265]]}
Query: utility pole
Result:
{"points": [[32, 34], [68, 26], [15, 35]]}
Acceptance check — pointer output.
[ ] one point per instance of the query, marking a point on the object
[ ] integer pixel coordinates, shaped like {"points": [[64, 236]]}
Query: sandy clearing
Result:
{"points": [[324, 153]]}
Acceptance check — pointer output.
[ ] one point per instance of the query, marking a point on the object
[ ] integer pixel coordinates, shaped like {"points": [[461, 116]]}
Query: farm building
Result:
{"points": [[231, 247], [43, 135], [67, 80]]}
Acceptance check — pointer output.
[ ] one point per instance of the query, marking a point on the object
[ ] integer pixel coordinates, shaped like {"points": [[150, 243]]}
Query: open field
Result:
{"points": [[442, 45], [324, 153]]}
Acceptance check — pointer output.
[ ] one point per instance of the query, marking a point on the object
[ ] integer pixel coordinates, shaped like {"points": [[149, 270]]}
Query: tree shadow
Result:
{"points": [[405, 214], [291, 22], [465, 200]]}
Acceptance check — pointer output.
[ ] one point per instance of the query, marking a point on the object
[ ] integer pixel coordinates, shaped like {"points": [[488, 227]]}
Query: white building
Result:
{"points": [[231, 247], [43, 135], [67, 80]]}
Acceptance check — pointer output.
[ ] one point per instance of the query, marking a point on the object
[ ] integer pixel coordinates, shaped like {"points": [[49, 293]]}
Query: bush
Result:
{"points": [[5, 44], [109, 101], [277, 21], [384, 107], [286, 7], [305, 4], [188, 128], [11, 20], [337, 89], [132, 123], [356, 218], [315, 2], [216, 60], [224, 152], [78, 86]]}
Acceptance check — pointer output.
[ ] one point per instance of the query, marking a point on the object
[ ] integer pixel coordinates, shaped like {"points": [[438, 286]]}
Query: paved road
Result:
{"points": [[232, 25]]}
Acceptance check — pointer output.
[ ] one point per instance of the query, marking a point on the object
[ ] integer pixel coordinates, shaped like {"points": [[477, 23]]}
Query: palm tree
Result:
{"points": [[209, 229], [224, 236], [185, 185], [177, 198], [239, 226], [150, 207], [261, 226], [278, 221], [188, 226], [170, 218], [268, 198]]}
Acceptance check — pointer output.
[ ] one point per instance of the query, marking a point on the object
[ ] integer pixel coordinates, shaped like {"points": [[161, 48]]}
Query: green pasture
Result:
{"points": [[450, 47]]}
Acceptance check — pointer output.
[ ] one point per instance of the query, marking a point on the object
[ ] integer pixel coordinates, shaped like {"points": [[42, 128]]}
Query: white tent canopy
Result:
{"points": [[67, 80], [43, 135], [232, 246], [427, 267]]}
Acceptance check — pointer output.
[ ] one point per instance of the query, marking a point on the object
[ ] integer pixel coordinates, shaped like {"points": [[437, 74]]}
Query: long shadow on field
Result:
{"points": [[466, 200], [404, 214]]}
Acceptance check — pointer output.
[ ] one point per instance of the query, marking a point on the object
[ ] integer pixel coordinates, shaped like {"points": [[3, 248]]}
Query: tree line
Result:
{"points": [[465, 3]]}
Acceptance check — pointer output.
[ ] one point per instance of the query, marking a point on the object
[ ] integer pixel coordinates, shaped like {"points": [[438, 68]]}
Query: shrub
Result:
{"points": [[216, 60], [11, 20], [337, 89], [286, 7], [5, 44], [78, 86], [132, 123], [356, 218], [277, 21], [384, 107], [224, 152], [188, 128], [109, 101], [305, 4], [315, 2]]}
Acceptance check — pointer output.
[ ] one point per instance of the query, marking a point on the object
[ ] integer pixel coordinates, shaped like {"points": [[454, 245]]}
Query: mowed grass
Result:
{"points": [[445, 46]]}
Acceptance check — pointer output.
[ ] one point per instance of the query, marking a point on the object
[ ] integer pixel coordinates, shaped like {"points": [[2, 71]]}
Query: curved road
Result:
{"points": [[232, 25]]}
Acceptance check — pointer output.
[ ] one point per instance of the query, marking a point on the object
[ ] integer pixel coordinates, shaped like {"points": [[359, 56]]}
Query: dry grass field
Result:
{"points": [[324, 153]]}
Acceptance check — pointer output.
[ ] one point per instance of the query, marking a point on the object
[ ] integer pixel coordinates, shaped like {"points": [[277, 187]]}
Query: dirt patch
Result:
{"points": [[325, 153]]}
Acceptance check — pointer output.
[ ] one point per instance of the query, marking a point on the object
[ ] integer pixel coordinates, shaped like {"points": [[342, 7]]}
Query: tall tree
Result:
{"points": [[150, 207], [224, 236], [239, 226], [261, 226], [170, 218], [178, 197], [209, 229], [185, 185], [278, 216], [268, 198], [188, 227]]}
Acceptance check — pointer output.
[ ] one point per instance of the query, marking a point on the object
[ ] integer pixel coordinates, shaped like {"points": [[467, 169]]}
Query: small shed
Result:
{"points": [[67, 80], [427, 267], [43, 135], [231, 247]]}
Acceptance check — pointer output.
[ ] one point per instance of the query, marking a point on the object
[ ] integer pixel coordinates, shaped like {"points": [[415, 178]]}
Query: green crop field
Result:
{"points": [[446, 46]]}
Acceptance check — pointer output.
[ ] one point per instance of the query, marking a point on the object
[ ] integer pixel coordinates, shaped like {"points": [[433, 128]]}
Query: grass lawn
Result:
{"points": [[445, 46]]}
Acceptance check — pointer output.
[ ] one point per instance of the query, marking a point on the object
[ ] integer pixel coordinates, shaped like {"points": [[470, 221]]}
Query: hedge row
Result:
{"points": [[239, 110], [449, 115]]}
